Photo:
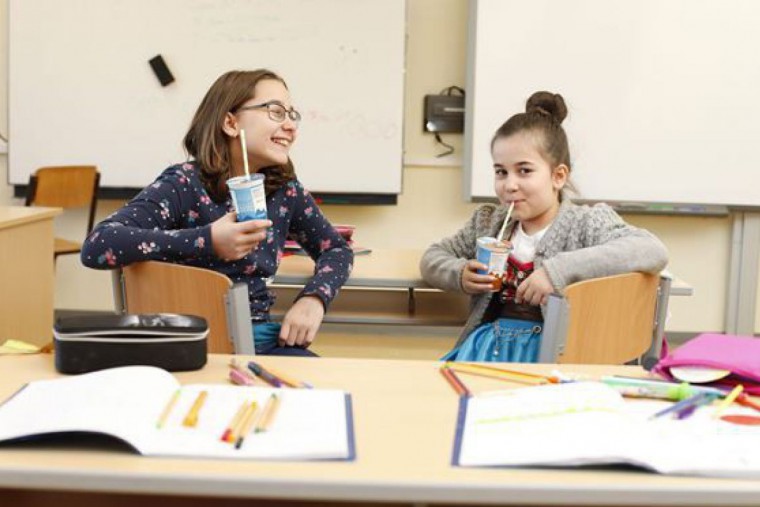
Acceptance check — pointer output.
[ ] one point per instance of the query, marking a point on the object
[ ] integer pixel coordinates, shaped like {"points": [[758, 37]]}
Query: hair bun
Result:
{"points": [[548, 104]]}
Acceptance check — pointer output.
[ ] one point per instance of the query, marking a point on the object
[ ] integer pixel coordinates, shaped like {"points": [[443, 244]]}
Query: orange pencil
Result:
{"points": [[454, 381]]}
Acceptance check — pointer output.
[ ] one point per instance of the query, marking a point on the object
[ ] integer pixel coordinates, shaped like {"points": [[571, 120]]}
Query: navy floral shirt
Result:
{"points": [[170, 220]]}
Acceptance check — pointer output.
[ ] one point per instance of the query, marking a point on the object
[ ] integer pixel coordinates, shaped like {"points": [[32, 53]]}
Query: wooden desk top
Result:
{"points": [[404, 415], [13, 216]]}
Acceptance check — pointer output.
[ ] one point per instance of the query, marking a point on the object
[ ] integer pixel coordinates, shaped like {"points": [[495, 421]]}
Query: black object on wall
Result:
{"points": [[161, 70]]}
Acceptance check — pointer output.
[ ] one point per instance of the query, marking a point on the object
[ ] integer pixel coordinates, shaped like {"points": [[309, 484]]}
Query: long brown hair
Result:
{"points": [[206, 142]]}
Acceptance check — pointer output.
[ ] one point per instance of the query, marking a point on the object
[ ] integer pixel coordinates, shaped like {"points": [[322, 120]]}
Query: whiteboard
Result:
{"points": [[81, 90], [663, 95]]}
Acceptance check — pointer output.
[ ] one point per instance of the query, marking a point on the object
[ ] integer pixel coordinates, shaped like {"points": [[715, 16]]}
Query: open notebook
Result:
{"points": [[588, 423], [129, 402]]}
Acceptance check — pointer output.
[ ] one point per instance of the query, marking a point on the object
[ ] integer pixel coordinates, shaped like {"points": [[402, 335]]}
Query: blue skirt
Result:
{"points": [[265, 341], [503, 340]]}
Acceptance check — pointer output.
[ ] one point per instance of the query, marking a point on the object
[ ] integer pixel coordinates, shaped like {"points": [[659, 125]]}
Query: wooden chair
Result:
{"points": [[65, 187], [610, 320], [156, 287]]}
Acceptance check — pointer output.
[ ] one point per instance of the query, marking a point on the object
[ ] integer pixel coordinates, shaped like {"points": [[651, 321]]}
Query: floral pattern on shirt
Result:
{"points": [[170, 220]]}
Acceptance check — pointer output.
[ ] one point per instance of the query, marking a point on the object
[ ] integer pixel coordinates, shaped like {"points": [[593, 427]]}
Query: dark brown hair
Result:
{"points": [[206, 142], [543, 116]]}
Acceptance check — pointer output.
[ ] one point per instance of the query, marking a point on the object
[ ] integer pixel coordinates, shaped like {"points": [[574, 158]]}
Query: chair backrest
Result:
{"points": [[155, 287], [610, 320], [65, 187]]}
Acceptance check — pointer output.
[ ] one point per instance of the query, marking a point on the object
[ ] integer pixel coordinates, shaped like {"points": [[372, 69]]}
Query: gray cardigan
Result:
{"points": [[583, 242]]}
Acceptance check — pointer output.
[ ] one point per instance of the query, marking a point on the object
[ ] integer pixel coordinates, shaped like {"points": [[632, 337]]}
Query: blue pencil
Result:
{"points": [[684, 405]]}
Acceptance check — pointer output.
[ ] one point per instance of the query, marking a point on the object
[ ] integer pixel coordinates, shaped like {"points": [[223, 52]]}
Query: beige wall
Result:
{"points": [[431, 204]]}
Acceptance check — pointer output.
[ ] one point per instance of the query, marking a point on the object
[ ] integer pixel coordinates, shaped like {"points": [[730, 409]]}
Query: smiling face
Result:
{"points": [[268, 141], [523, 176]]}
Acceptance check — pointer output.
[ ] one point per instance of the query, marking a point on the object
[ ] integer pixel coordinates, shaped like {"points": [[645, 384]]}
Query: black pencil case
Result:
{"points": [[169, 341]]}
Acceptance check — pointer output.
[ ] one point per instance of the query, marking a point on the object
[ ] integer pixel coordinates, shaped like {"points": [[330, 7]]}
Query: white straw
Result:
{"points": [[506, 221], [245, 152]]}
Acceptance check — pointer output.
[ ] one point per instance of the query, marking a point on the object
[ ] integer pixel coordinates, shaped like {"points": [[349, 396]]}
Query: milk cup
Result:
{"points": [[493, 254], [248, 197]]}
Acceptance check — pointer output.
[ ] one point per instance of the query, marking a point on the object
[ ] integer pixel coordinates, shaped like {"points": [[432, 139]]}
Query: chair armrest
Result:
{"points": [[239, 320], [554, 335]]}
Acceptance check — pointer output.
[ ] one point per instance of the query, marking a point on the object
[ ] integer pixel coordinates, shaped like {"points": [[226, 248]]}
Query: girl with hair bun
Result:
{"points": [[553, 241]]}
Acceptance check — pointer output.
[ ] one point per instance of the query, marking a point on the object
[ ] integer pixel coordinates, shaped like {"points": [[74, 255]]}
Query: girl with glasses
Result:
{"points": [[186, 215]]}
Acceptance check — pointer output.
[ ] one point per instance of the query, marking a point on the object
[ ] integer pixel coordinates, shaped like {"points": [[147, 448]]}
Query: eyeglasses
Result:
{"points": [[277, 112]]}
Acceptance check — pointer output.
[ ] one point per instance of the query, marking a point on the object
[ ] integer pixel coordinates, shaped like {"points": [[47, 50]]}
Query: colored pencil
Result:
{"points": [[191, 419], [226, 436], [167, 410], [495, 373], [242, 369], [267, 416], [246, 425], [239, 379], [264, 375], [289, 381], [684, 405], [728, 400], [454, 381]]}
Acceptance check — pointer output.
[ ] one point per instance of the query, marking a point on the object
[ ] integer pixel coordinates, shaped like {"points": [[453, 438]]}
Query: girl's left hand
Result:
{"points": [[301, 322], [535, 289]]}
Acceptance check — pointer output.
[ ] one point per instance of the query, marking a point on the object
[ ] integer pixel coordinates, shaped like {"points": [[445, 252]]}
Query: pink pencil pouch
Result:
{"points": [[738, 354]]}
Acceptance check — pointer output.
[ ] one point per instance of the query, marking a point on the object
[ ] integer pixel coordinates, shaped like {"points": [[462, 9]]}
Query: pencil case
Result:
{"points": [[169, 341], [738, 354]]}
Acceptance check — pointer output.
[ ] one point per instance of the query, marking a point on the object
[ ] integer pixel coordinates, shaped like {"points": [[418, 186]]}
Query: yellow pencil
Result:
{"points": [[728, 400], [289, 381], [268, 414], [493, 373], [168, 409], [191, 419]]}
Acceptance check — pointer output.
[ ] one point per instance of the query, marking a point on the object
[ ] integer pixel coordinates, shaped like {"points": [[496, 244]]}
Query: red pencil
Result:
{"points": [[454, 381]]}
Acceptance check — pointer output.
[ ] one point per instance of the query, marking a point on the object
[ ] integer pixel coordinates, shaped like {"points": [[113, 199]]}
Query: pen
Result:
{"points": [[264, 375]]}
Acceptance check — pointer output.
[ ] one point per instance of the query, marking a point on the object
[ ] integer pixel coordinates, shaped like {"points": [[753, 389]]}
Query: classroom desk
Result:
{"points": [[404, 414], [392, 268], [27, 273], [386, 287]]}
